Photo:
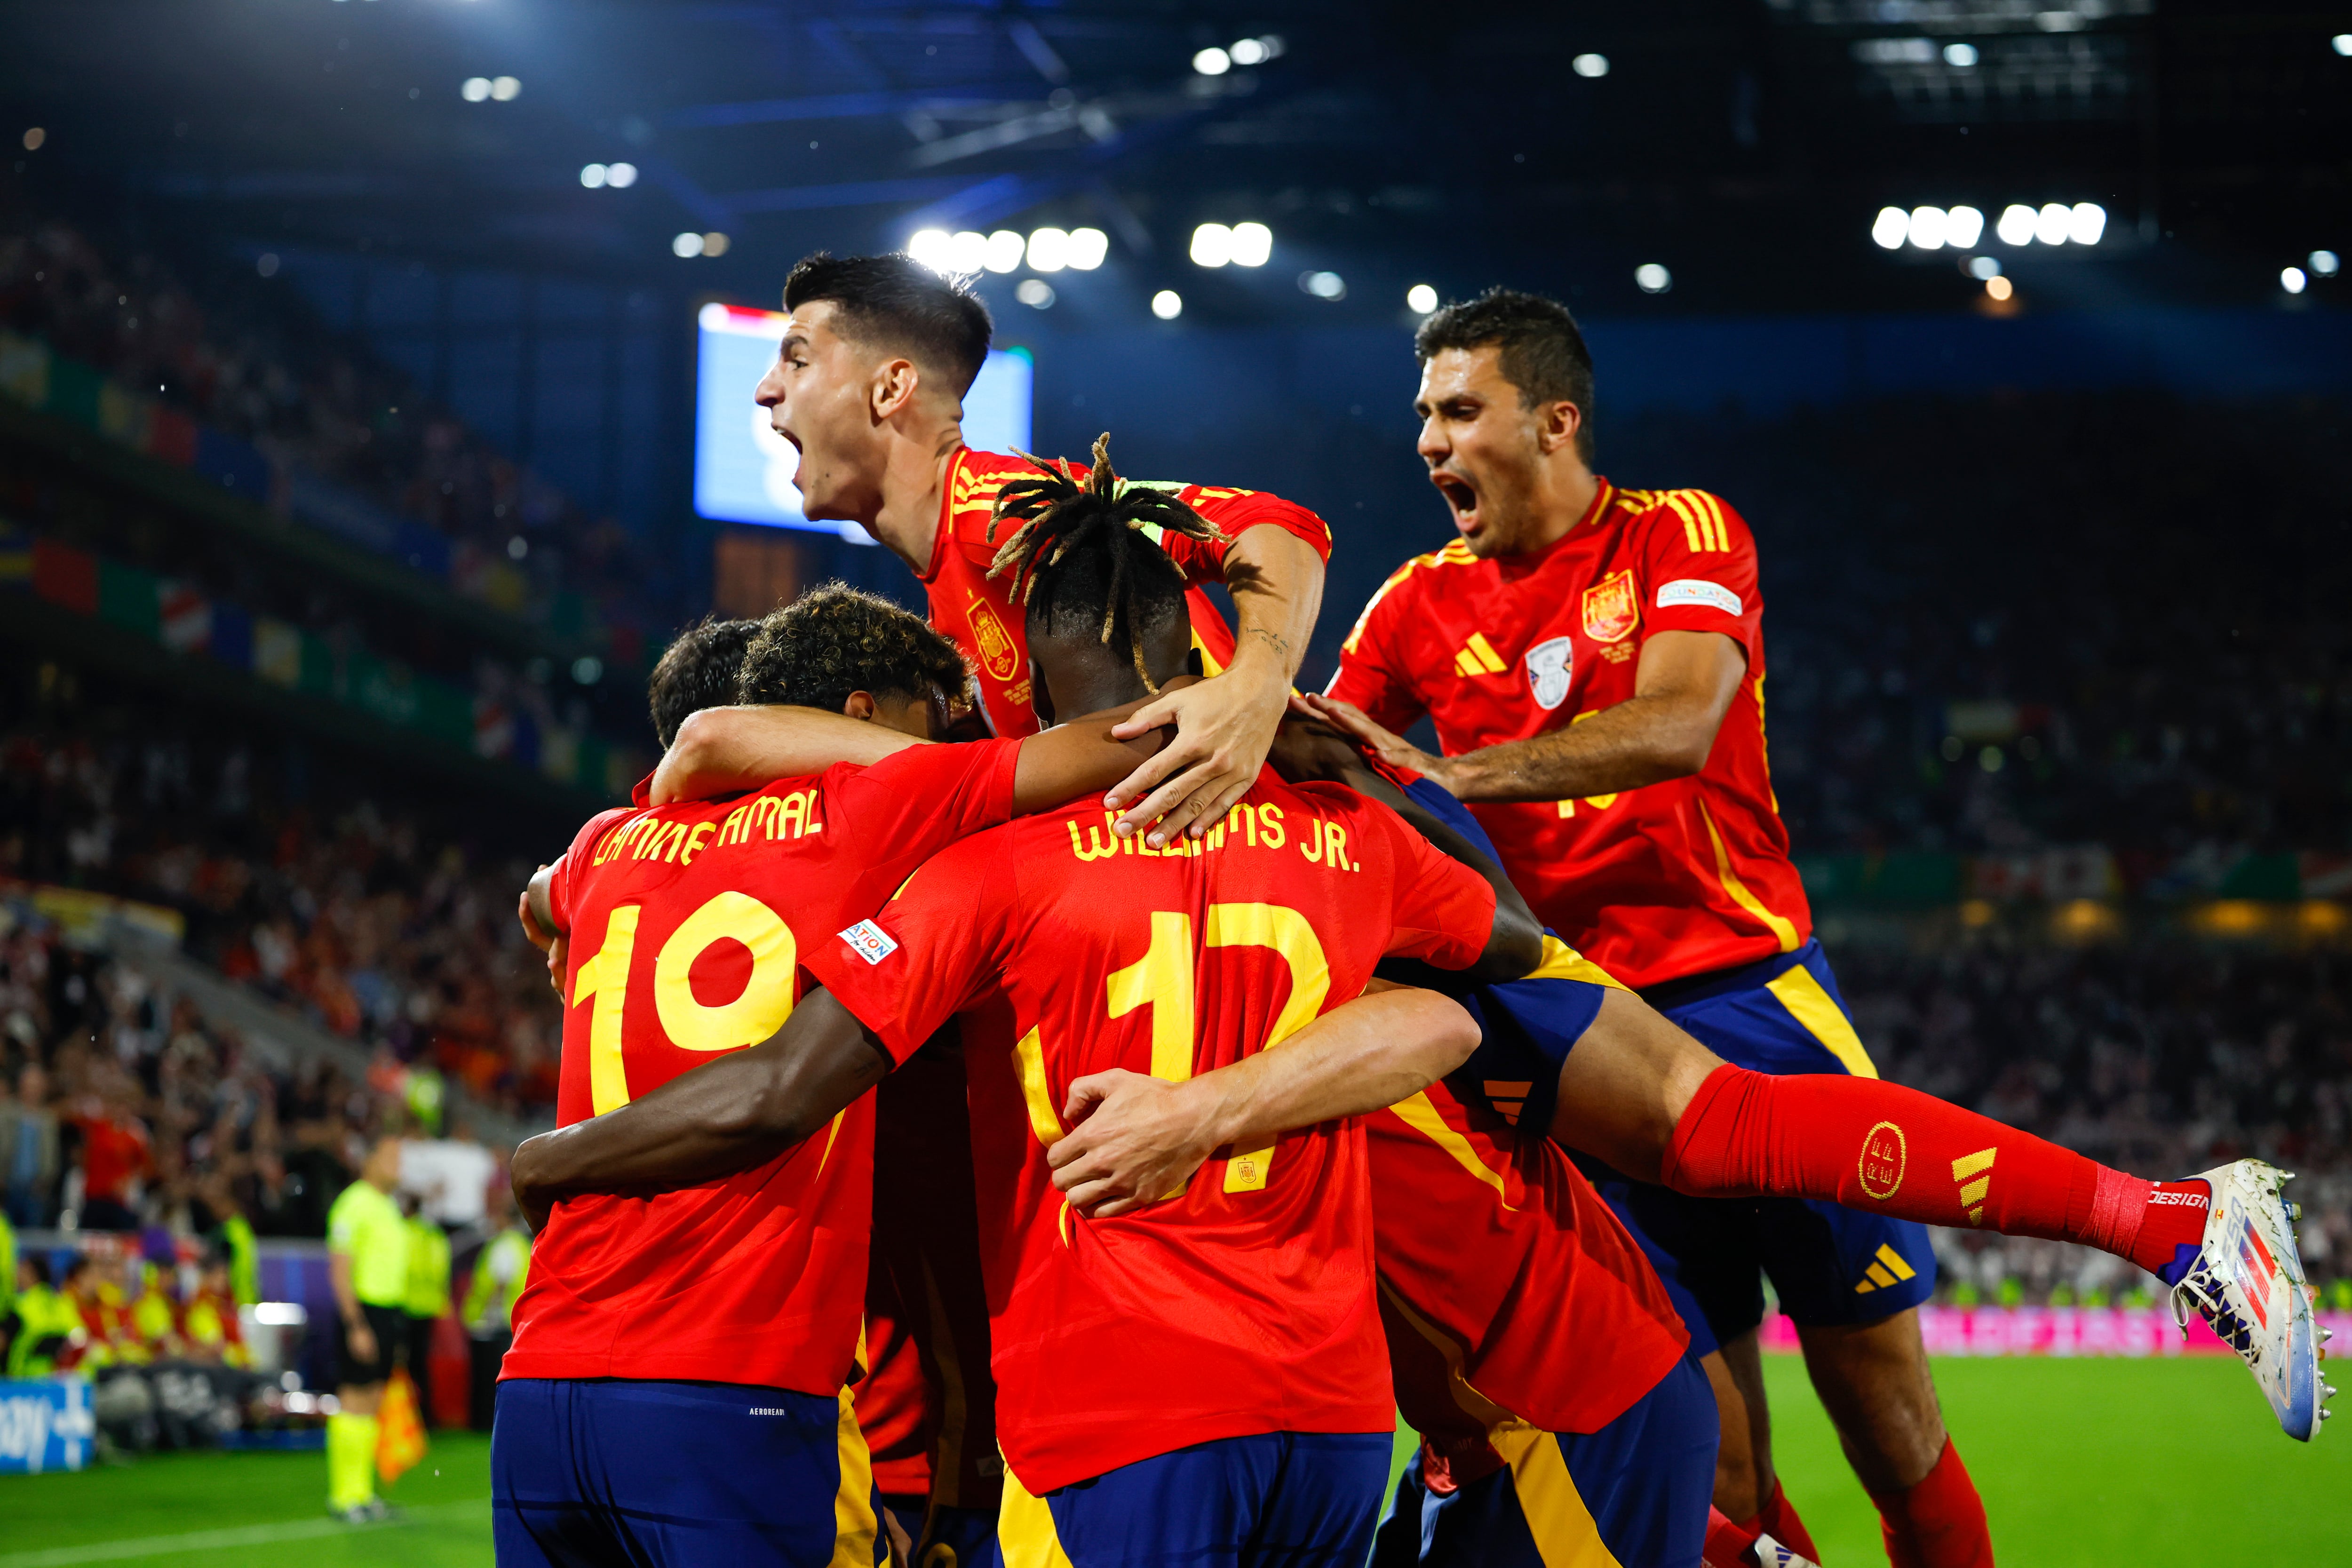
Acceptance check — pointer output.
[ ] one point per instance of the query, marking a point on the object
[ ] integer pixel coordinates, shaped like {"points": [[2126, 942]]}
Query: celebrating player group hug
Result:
{"points": [[1036, 1089]]}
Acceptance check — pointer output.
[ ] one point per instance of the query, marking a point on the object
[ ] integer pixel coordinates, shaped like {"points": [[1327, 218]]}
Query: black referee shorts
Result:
{"points": [[390, 1325]]}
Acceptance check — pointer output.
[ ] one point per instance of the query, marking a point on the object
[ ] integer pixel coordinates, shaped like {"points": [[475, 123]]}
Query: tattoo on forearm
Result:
{"points": [[1274, 640]]}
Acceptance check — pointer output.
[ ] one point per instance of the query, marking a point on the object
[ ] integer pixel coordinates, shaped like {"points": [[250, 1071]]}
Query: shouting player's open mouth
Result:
{"points": [[1461, 496]]}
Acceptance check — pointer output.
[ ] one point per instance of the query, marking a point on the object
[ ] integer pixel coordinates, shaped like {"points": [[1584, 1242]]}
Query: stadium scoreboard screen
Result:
{"points": [[743, 470]]}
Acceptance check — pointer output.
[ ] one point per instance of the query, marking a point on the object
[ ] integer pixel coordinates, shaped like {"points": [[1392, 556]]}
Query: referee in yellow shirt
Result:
{"points": [[367, 1262]]}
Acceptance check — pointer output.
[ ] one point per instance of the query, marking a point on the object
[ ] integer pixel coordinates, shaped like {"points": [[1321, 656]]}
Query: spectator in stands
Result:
{"points": [[500, 1274], [209, 1330], [116, 1154], [233, 1239], [28, 1148], [153, 1317], [48, 1327], [98, 1303], [427, 1299]]}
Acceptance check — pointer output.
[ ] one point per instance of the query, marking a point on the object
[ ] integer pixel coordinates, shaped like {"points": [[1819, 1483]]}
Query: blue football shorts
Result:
{"points": [[1633, 1494], [590, 1471], [1277, 1499]]}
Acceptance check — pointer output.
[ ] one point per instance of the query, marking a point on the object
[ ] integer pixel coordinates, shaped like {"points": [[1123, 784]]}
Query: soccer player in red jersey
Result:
{"points": [[1592, 660], [868, 386], [674, 1385]]}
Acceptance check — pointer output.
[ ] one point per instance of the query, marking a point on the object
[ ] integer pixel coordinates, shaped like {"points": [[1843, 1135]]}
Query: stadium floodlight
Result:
{"points": [[1248, 52], [1983, 267], [1213, 245], [1253, 244], [1999, 288], [1963, 226], [1036, 293], [2016, 225], [1421, 300], [1213, 61], [686, 245], [1889, 229], [966, 251], [1167, 304], [2341, 43], [473, 88], [505, 89], [2054, 223], [931, 247], [1653, 278], [1926, 227], [1005, 250], [620, 176], [715, 243], [2323, 263], [1088, 248], [1960, 57], [1324, 285], [2291, 280], [593, 176], [1049, 250], [1590, 66], [2086, 222]]}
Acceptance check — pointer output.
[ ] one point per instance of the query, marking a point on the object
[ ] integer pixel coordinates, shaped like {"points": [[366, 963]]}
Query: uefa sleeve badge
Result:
{"points": [[869, 941]]}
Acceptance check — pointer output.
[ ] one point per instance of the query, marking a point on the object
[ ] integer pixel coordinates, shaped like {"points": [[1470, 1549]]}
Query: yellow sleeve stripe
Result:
{"points": [[1702, 515]]}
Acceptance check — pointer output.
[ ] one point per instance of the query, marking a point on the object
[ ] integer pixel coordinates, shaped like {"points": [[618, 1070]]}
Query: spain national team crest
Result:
{"points": [[1549, 664], [997, 654], [1611, 607]]}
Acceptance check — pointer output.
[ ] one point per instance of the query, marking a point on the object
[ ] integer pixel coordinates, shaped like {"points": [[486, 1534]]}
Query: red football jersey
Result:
{"points": [[1509, 1289], [688, 925], [1671, 880], [981, 616], [1245, 1304]]}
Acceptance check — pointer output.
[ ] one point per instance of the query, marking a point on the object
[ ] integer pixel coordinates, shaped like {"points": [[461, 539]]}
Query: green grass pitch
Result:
{"points": [[2100, 1463]]}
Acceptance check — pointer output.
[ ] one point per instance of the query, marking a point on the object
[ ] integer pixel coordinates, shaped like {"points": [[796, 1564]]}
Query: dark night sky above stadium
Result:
{"points": [[1746, 147]]}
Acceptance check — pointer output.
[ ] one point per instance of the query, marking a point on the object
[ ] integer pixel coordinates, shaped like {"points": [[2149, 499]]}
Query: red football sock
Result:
{"points": [[1727, 1544], [1937, 1523], [1778, 1520], [1885, 1149]]}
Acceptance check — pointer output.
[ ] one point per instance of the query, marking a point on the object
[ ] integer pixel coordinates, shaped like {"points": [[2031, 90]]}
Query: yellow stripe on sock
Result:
{"points": [[1974, 1192], [1967, 1165], [1823, 1019], [1024, 1529], [1563, 1527]]}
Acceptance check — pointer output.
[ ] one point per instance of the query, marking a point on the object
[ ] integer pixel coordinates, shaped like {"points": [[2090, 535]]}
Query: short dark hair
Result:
{"points": [[837, 639], [895, 302], [697, 671], [1543, 349]]}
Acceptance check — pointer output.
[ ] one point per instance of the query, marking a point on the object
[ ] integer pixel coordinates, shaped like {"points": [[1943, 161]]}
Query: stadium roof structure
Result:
{"points": [[1744, 148]]}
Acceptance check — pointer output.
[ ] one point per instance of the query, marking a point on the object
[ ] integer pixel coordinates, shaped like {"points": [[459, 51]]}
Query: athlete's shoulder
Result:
{"points": [[1705, 520], [1425, 574]]}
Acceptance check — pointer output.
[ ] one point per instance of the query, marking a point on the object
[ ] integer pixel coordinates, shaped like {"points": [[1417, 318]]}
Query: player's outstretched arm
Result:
{"points": [[721, 750], [1138, 1139], [1226, 726], [1683, 688], [727, 1115]]}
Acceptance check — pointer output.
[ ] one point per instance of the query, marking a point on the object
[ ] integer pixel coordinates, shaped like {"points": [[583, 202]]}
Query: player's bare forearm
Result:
{"points": [[729, 1114], [723, 750], [1686, 684], [1138, 1139], [1226, 726], [1276, 581], [1086, 754]]}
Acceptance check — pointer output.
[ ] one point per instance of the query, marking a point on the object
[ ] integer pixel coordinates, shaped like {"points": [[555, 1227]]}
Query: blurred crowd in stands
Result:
{"points": [[379, 927], [2002, 622], [250, 361]]}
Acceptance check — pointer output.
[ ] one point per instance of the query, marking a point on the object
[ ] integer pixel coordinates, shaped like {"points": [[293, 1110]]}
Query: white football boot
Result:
{"points": [[2247, 1282], [1770, 1554]]}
